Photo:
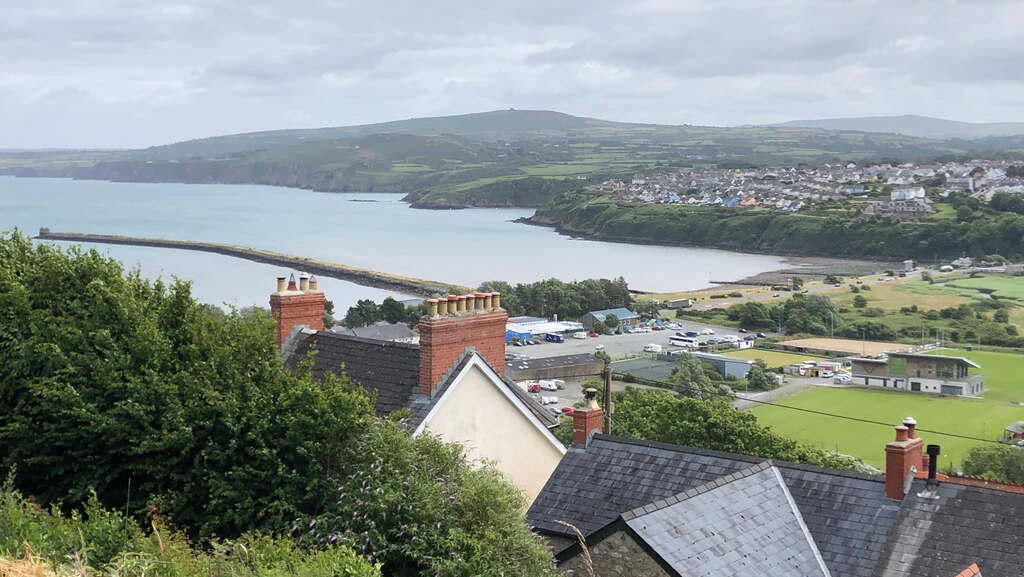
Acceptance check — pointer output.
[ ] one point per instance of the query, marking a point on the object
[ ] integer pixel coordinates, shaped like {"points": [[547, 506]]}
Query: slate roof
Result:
{"points": [[964, 525], [848, 514], [390, 369], [742, 524], [381, 331]]}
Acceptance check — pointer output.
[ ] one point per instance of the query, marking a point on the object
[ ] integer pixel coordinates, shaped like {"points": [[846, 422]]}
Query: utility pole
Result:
{"points": [[607, 374]]}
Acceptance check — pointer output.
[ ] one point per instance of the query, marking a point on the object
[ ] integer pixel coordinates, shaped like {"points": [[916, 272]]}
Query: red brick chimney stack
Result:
{"points": [[297, 306], [587, 420], [900, 456], [453, 325]]}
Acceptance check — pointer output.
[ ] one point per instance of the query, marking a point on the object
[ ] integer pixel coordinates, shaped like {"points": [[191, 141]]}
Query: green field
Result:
{"points": [[772, 358], [1002, 286], [977, 418], [983, 418]]}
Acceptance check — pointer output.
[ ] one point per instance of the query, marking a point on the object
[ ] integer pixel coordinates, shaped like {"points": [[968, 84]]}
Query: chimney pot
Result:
{"points": [[453, 305], [281, 283], [902, 433], [911, 424], [312, 283], [291, 282], [462, 304], [587, 420], [442, 306], [496, 300], [480, 301], [487, 301], [303, 282], [432, 307]]}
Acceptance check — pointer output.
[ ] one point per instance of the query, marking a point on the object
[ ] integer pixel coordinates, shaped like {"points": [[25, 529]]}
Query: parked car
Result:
{"points": [[568, 411], [761, 335], [707, 332], [594, 335], [555, 411], [775, 295], [599, 348], [658, 328], [579, 335], [548, 385], [842, 378], [553, 338], [533, 388], [744, 330], [691, 334], [517, 343], [652, 348]]}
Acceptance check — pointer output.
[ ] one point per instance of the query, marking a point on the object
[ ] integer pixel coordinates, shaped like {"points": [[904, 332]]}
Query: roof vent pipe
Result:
{"points": [[933, 463]]}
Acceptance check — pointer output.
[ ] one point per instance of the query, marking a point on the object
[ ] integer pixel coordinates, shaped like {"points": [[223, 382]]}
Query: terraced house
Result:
{"points": [[451, 383], [661, 510]]}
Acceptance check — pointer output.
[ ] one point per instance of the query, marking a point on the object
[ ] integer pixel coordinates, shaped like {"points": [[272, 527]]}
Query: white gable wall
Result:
{"points": [[493, 425]]}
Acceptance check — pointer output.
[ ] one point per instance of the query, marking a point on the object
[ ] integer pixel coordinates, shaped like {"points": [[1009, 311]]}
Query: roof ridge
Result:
{"points": [[369, 341], [693, 492], [735, 457]]}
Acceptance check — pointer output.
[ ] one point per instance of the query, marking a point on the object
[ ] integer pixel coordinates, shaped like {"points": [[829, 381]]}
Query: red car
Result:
{"points": [[594, 335], [534, 388], [568, 411]]}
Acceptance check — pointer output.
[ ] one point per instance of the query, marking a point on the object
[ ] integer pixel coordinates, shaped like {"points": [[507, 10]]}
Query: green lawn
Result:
{"points": [[1003, 286], [974, 417], [772, 358], [978, 418]]}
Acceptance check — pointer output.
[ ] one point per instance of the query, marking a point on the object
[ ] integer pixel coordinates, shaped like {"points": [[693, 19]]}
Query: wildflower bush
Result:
{"points": [[421, 507]]}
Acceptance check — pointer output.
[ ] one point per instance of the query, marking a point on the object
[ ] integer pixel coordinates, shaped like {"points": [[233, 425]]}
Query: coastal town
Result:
{"points": [[897, 190]]}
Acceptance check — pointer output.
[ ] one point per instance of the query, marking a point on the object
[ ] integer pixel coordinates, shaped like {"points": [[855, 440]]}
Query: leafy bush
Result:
{"points": [[995, 462], [421, 507], [135, 391]]}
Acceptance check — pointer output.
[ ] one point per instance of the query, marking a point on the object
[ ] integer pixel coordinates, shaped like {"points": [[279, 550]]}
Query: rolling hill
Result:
{"points": [[913, 125]]}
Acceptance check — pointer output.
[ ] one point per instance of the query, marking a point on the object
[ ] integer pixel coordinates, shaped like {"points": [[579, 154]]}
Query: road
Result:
{"points": [[617, 346], [793, 386]]}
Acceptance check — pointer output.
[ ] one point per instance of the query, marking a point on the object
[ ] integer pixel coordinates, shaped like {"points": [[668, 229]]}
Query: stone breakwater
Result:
{"points": [[365, 277]]}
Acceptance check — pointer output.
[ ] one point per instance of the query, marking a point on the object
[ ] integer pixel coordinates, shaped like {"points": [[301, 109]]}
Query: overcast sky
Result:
{"points": [[127, 73]]}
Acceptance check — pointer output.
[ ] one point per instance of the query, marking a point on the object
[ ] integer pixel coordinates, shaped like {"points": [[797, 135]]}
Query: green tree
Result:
{"points": [[833, 279], [750, 315], [797, 283], [689, 378], [860, 301], [996, 462], [611, 321], [329, 314], [421, 506], [134, 390], [364, 313], [392, 311], [759, 379], [1001, 316]]}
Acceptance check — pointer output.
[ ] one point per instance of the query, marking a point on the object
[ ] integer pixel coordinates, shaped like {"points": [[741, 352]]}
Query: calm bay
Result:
{"points": [[375, 231]]}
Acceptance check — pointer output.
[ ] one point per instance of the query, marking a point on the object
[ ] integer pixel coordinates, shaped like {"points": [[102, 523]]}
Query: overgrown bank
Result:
{"points": [[599, 215]]}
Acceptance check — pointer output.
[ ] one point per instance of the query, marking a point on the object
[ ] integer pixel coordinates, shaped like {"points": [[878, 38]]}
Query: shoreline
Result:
{"points": [[797, 264]]}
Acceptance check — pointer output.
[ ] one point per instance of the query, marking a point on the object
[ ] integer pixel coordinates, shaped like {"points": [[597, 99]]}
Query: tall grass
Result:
{"points": [[95, 542]]}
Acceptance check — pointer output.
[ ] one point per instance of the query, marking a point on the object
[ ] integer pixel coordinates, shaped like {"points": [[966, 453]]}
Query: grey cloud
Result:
{"points": [[133, 73]]}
